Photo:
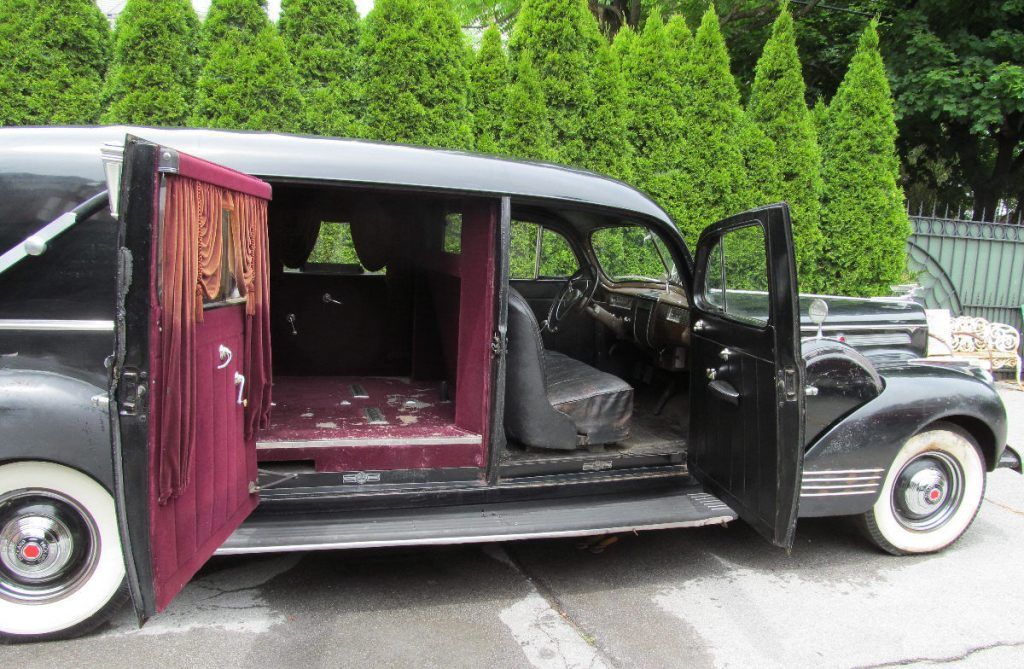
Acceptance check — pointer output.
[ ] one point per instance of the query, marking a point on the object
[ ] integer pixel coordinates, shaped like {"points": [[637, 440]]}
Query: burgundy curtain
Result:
{"points": [[190, 266]]}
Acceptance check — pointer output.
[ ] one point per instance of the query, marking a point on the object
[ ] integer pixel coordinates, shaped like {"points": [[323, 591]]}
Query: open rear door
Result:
{"points": [[190, 380], [746, 412]]}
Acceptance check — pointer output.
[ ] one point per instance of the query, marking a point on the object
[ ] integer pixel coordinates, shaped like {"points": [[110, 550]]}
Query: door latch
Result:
{"points": [[789, 382], [133, 392]]}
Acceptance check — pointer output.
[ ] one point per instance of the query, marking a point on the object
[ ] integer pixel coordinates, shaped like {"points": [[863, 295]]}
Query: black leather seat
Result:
{"points": [[554, 401]]}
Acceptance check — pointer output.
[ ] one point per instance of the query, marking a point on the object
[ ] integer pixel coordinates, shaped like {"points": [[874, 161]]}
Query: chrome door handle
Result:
{"points": [[699, 325], [240, 382], [327, 299], [711, 373], [725, 354], [291, 321], [225, 356]]}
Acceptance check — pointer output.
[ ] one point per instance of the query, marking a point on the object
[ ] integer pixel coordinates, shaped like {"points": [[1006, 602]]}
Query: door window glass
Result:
{"points": [[736, 280], [538, 253]]}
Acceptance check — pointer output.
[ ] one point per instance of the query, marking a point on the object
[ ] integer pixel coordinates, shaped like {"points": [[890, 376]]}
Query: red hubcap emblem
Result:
{"points": [[31, 552], [934, 495]]}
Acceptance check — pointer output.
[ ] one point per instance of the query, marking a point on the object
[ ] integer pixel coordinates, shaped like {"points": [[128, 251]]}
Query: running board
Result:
{"points": [[477, 523]]}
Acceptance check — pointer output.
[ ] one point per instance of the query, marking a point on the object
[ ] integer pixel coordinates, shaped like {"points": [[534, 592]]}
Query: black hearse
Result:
{"points": [[216, 342]]}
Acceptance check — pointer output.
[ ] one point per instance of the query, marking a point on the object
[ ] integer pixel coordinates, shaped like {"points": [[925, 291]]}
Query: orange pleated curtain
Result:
{"points": [[190, 270]]}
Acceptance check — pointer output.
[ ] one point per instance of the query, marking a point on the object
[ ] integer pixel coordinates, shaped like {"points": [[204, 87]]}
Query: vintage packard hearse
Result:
{"points": [[218, 342]]}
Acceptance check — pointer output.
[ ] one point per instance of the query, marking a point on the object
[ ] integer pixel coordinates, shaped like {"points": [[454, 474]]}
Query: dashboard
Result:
{"points": [[653, 318]]}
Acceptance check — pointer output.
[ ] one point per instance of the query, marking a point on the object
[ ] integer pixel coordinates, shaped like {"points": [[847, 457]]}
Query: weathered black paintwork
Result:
{"points": [[838, 379], [48, 379], [915, 396]]}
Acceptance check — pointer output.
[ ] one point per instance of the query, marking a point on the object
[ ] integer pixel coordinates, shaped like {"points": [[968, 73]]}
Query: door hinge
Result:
{"points": [[499, 345], [133, 392]]}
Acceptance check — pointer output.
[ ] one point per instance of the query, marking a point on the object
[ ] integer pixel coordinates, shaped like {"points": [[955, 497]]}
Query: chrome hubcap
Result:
{"points": [[928, 491], [48, 546]]}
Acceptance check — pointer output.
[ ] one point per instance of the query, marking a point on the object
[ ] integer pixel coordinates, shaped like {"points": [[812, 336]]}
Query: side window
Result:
{"points": [[538, 253], [736, 281], [453, 233], [334, 252]]}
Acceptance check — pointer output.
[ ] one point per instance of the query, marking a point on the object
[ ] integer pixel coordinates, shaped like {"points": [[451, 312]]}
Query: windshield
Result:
{"points": [[633, 253]]}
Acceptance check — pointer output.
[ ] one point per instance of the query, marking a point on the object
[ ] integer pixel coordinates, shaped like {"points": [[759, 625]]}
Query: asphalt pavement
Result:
{"points": [[710, 597]]}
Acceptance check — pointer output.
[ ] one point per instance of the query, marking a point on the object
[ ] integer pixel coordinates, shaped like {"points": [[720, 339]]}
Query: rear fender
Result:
{"points": [[845, 467], [56, 418]]}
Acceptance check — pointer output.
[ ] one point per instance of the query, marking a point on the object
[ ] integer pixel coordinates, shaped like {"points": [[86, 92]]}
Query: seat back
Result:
{"points": [[529, 417]]}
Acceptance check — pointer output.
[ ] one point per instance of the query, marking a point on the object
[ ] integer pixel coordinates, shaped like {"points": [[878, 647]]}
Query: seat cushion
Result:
{"points": [[600, 404]]}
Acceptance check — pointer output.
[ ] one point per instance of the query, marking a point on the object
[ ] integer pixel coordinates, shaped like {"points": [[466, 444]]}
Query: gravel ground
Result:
{"points": [[711, 597]]}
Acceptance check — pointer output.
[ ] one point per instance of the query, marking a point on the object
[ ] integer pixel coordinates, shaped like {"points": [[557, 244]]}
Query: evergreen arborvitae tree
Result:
{"points": [[562, 39], [681, 40], [713, 171], [226, 17], [526, 132], [152, 78], [607, 144], [764, 178], [247, 82], [416, 75], [778, 106], [819, 116], [54, 55], [15, 56], [654, 124], [863, 219], [488, 88], [322, 38]]}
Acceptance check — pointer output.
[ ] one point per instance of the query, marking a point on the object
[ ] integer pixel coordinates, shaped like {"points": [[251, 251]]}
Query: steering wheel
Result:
{"points": [[575, 296]]}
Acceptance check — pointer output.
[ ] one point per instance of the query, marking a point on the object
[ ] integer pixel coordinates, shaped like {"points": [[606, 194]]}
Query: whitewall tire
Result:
{"points": [[931, 494], [61, 566]]}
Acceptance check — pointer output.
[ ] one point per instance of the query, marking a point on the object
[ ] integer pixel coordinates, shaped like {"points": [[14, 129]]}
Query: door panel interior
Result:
{"points": [[190, 380], [746, 392]]}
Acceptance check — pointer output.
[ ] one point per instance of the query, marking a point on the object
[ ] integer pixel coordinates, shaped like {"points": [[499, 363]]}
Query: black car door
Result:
{"points": [[746, 377]]}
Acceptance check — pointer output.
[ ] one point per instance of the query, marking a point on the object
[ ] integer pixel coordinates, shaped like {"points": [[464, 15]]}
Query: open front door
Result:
{"points": [[746, 391], [190, 380]]}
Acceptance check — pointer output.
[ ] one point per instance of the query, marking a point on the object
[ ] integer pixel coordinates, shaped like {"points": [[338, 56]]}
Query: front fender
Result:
{"points": [[845, 467], [49, 416]]}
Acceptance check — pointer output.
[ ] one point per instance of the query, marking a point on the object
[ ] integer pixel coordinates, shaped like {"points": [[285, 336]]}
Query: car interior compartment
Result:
{"points": [[382, 309]]}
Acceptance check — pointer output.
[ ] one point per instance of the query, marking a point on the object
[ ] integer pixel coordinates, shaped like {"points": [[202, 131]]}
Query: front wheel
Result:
{"points": [[931, 494], [61, 567]]}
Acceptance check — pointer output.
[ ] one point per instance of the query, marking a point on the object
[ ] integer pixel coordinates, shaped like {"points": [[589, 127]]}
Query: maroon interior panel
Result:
{"points": [[187, 530], [476, 316], [322, 419]]}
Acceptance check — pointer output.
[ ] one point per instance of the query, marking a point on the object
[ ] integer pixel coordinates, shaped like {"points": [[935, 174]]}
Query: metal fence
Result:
{"points": [[970, 267]]}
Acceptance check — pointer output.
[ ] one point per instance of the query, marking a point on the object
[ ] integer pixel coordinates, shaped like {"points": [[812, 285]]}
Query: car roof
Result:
{"points": [[75, 150]]}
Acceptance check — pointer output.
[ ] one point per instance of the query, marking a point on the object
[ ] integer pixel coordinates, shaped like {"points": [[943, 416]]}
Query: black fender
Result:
{"points": [[57, 418], [845, 467]]}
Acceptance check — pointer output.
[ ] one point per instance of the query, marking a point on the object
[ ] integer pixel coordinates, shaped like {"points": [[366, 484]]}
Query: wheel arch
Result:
{"points": [[51, 417], [868, 439], [978, 430]]}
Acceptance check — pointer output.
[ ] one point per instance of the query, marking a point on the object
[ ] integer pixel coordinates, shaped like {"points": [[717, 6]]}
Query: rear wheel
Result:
{"points": [[61, 567], [931, 494]]}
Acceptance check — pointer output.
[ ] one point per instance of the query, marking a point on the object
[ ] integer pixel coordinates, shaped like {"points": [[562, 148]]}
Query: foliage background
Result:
{"points": [[756, 106]]}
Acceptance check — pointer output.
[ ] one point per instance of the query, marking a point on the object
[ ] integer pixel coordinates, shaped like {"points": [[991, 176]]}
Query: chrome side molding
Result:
{"points": [[48, 325]]}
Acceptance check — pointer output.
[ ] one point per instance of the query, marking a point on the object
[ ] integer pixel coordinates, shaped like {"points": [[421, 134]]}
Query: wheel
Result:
{"points": [[61, 568], [931, 494]]}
